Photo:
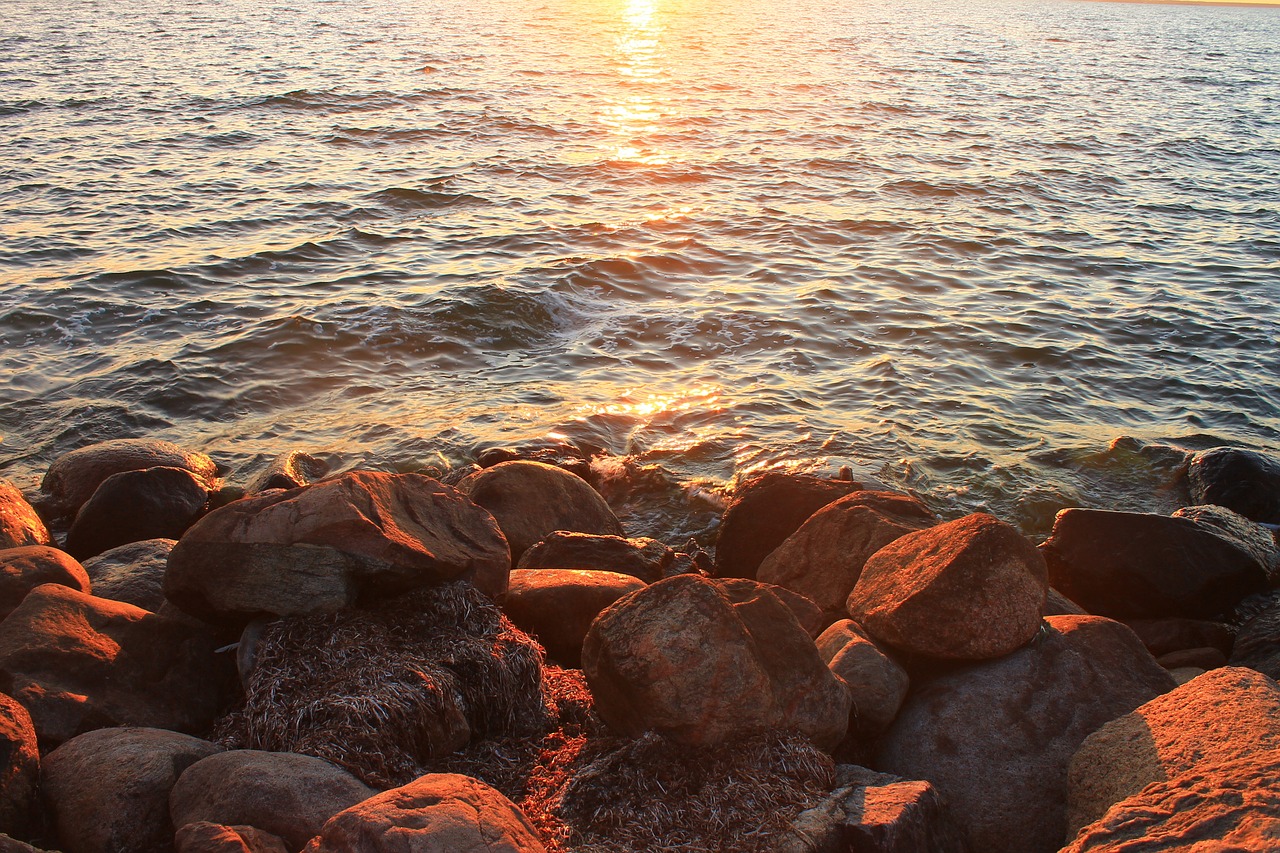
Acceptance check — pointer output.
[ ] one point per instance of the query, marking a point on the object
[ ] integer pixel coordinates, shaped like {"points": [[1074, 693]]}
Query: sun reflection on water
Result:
{"points": [[642, 104]]}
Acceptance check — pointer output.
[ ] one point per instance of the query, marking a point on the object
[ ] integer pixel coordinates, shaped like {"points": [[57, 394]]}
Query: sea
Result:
{"points": [[1009, 255]]}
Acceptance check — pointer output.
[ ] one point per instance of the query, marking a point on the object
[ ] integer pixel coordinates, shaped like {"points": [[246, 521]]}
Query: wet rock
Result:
{"points": [[1144, 566], [1162, 636], [969, 589], [436, 813], [703, 662], [646, 559], [557, 606], [288, 795], [74, 477], [1241, 480], [19, 523], [290, 470], [824, 557], [996, 737], [361, 536], [562, 456], [1257, 644], [152, 503], [19, 769], [1247, 535], [1219, 717], [764, 511], [109, 789], [532, 500], [205, 837], [25, 568], [1224, 807], [79, 663], [876, 683], [132, 573]]}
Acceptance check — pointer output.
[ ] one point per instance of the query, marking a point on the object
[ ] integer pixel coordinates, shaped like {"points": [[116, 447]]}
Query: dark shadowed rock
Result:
{"points": [[109, 789], [25, 568], [436, 813], [703, 662], [532, 500], [19, 769], [205, 837], [1241, 480], [646, 559], [557, 606], [288, 795], [876, 683], [806, 611], [1221, 716], [1057, 604], [1204, 658], [970, 589], [288, 471], [12, 845], [19, 523], [79, 663], [361, 536], [1139, 565], [74, 477], [823, 559], [132, 573], [152, 503], [1257, 644], [995, 738], [1248, 536], [1162, 636], [764, 511]]}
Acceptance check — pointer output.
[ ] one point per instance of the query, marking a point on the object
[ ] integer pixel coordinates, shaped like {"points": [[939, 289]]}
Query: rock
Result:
{"points": [[806, 611], [969, 589], [1241, 480], [288, 471], [764, 511], [824, 557], [19, 769], [1223, 808], [363, 535], [557, 606], [995, 738], [1057, 604], [702, 662], [205, 837], [12, 845], [1139, 565], [19, 523], [876, 683], [79, 663], [132, 573], [288, 795], [561, 455], [152, 503], [74, 477], [1205, 659], [646, 559], [876, 813], [24, 568], [437, 813], [109, 789], [532, 500], [1248, 536], [1219, 717], [1162, 636], [1257, 644]]}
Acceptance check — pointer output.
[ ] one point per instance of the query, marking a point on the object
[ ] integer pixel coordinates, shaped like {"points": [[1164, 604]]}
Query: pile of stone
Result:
{"points": [[367, 661]]}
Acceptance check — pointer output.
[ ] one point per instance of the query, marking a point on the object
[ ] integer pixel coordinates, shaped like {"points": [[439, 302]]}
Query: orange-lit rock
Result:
{"points": [[557, 606], [150, 503], [19, 523], [876, 683], [74, 477], [205, 837], [288, 471], [23, 569], [646, 559], [806, 611], [19, 769]]}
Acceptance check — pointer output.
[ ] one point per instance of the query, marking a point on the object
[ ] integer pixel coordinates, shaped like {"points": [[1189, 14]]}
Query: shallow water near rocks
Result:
{"points": [[960, 247]]}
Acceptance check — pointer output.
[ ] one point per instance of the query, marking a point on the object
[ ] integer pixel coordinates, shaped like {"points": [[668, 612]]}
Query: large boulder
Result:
{"points": [[557, 606], [703, 662], [152, 503], [132, 573], [646, 559], [1243, 480], [1145, 566], [1257, 644], [321, 548], [78, 662], [109, 789], [877, 684], [996, 737], [19, 523], [25, 568], [969, 589], [74, 477], [205, 837], [532, 500], [1249, 536], [19, 768], [1221, 716], [288, 795], [764, 511], [823, 559], [436, 813]]}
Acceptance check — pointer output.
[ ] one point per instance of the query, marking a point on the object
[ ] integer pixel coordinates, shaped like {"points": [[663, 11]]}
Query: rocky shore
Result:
{"points": [[370, 661]]}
